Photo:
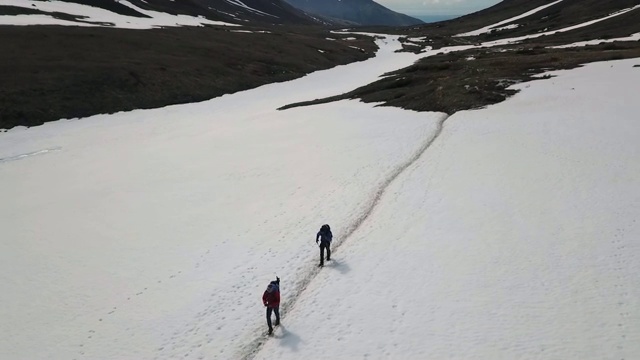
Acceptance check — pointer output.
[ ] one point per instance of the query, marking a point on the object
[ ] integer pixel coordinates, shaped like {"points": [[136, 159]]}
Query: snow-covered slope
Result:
{"points": [[87, 15], [501, 24], [145, 14], [512, 237], [504, 20], [562, 30], [150, 233]]}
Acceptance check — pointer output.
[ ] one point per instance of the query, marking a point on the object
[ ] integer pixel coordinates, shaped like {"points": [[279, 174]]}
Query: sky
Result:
{"points": [[501, 233], [437, 7]]}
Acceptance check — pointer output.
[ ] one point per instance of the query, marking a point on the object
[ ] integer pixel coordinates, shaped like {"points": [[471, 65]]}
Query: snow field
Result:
{"points": [[140, 246], [152, 233], [513, 236]]}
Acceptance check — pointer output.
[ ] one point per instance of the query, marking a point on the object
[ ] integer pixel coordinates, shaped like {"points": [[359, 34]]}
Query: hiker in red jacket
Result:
{"points": [[271, 299]]}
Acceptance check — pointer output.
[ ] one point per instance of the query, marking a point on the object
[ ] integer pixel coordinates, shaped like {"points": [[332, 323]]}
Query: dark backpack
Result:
{"points": [[325, 232]]}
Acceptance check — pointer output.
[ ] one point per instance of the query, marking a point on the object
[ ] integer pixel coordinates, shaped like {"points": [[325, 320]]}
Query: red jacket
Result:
{"points": [[271, 296]]}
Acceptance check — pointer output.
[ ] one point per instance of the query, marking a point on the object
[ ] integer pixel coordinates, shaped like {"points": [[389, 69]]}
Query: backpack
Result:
{"points": [[325, 230]]}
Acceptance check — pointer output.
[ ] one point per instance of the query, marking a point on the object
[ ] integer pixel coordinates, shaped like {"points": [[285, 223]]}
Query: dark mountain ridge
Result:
{"points": [[356, 12], [233, 11]]}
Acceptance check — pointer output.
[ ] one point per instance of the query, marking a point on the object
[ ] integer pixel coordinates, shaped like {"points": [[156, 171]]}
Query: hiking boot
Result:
{"points": [[270, 331], [277, 323]]}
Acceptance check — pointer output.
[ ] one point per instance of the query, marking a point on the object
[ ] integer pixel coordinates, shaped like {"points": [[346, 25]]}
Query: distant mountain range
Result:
{"points": [[355, 12]]}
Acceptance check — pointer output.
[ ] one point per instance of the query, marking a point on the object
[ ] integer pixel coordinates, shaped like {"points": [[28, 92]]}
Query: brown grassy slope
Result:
{"points": [[53, 72], [450, 83]]}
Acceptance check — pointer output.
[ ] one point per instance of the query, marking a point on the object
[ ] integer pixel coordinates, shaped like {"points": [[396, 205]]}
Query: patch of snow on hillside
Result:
{"points": [[487, 29], [39, 19], [246, 7], [98, 15], [634, 37], [226, 13], [251, 32], [581, 25], [508, 27]]}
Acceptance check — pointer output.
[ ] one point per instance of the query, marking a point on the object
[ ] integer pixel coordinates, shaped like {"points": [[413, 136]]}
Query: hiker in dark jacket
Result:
{"points": [[271, 299], [325, 237]]}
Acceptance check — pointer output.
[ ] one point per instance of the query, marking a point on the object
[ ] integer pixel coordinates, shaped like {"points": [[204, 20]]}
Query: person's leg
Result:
{"points": [[269, 309], [321, 254], [276, 310], [328, 251]]}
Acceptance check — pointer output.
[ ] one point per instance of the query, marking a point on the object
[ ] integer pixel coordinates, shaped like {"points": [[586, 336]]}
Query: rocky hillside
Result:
{"points": [[555, 15], [166, 12]]}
